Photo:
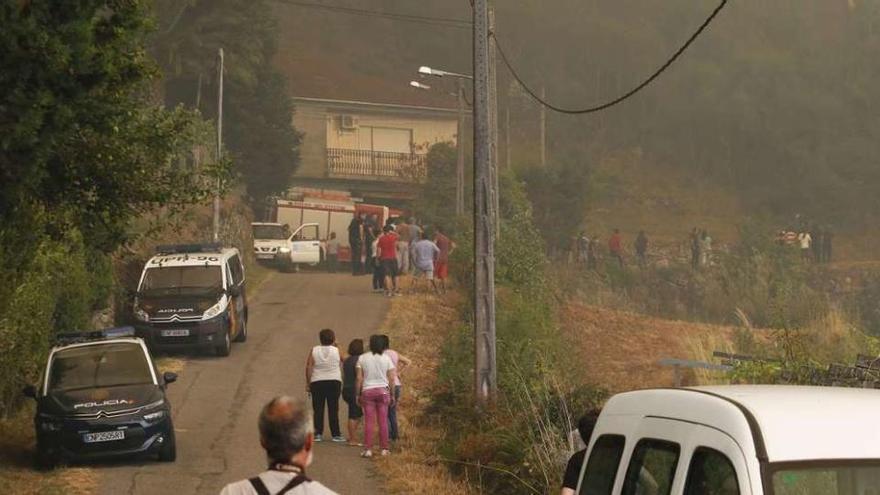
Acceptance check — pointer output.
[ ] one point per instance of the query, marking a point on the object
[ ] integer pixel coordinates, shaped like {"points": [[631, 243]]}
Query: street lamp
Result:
{"points": [[459, 95], [428, 71]]}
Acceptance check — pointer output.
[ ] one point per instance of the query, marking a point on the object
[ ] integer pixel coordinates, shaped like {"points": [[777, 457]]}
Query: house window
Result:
{"points": [[389, 139]]}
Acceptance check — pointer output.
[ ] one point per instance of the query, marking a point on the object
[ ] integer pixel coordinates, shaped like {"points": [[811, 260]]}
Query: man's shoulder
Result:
{"points": [[244, 487]]}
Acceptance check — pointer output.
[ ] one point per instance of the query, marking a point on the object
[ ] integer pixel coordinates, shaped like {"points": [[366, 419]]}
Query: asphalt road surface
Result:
{"points": [[216, 401]]}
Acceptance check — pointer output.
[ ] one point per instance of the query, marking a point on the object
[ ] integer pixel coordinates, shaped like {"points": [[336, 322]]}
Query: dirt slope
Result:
{"points": [[620, 350]]}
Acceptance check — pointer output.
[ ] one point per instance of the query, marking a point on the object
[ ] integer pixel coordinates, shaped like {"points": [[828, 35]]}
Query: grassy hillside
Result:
{"points": [[631, 192]]}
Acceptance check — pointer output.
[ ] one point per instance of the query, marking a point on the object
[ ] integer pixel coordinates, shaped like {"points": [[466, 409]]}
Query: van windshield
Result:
{"points": [[840, 479], [105, 365], [182, 281], [270, 232]]}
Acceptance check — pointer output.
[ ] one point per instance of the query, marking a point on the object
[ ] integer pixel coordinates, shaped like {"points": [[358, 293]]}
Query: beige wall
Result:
{"points": [[311, 121], [424, 131], [320, 126]]}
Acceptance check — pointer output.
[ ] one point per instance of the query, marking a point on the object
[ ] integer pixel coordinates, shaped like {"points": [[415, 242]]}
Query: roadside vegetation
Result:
{"points": [[100, 162]]}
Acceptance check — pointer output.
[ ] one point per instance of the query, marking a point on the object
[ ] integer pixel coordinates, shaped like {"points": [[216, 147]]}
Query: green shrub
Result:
{"points": [[519, 444], [55, 291]]}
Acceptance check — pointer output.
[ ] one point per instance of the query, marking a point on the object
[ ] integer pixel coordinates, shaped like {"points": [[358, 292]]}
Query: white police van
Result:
{"points": [[736, 440], [192, 296]]}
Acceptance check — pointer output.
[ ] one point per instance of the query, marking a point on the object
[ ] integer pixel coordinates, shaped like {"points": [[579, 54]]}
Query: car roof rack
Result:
{"points": [[67, 338], [204, 247]]}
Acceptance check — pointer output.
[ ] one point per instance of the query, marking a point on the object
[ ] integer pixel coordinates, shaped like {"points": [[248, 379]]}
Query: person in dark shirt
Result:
{"points": [[573, 470], [349, 386], [356, 241]]}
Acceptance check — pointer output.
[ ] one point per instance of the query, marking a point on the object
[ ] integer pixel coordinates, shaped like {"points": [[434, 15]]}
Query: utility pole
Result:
{"points": [[493, 122], [484, 215], [219, 149], [459, 164], [543, 128], [507, 136]]}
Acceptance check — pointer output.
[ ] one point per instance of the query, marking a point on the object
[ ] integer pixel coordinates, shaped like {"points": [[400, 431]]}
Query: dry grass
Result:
{"points": [[417, 326], [620, 350], [17, 474]]}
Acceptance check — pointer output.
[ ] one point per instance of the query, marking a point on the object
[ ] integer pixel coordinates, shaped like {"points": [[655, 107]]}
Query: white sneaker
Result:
{"points": [[367, 453], [385, 452]]}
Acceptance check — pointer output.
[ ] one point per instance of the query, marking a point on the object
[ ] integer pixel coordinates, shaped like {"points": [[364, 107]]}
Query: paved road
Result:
{"points": [[216, 400]]}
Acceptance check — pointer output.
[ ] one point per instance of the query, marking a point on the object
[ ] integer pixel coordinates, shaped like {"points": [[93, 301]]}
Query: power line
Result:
{"points": [[621, 98], [437, 21]]}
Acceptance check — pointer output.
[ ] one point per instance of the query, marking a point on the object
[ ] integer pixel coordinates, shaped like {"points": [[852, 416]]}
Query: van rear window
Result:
{"points": [[601, 471], [651, 468]]}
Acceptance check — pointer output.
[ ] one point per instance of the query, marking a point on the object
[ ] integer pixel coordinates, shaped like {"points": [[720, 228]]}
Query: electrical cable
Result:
{"points": [[621, 98], [439, 21]]}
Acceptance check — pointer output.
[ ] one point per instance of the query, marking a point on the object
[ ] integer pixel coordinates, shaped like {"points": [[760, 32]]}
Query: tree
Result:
{"points": [[82, 144], [257, 106]]}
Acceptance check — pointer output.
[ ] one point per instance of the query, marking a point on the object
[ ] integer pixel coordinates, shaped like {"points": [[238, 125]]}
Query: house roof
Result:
{"points": [[319, 64]]}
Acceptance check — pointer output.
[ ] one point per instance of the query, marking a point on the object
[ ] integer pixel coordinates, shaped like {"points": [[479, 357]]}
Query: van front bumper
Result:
{"points": [[183, 335]]}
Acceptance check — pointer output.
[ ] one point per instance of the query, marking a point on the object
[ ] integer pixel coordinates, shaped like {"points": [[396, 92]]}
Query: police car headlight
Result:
{"points": [[213, 310], [50, 423], [154, 416], [141, 314]]}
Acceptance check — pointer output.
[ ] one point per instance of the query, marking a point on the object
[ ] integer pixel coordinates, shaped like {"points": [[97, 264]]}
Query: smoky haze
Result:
{"points": [[773, 102]]}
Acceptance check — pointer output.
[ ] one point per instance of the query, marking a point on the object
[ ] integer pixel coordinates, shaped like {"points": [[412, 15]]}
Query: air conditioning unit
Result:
{"points": [[348, 123]]}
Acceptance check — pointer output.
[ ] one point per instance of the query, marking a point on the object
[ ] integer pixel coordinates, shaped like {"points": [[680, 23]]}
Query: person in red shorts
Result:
{"points": [[441, 264], [387, 246]]}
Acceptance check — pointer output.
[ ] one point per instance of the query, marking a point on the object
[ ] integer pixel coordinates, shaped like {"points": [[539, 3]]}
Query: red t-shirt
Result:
{"points": [[388, 246], [614, 243]]}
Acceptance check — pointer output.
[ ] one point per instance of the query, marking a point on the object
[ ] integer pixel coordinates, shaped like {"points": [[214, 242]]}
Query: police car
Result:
{"points": [[101, 396], [192, 296]]}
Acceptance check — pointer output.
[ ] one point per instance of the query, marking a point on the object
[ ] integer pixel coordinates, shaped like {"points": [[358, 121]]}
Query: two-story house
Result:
{"points": [[376, 151]]}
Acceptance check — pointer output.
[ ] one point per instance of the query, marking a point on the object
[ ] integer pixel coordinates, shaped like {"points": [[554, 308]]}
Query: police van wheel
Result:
{"points": [[226, 346], [168, 451], [242, 334]]}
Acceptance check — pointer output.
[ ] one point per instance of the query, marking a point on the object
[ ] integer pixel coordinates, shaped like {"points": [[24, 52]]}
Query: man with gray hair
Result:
{"points": [[287, 435]]}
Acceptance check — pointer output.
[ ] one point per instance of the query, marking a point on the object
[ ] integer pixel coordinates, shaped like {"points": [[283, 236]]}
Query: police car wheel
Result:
{"points": [[168, 451], [226, 346], [45, 461], [242, 333]]}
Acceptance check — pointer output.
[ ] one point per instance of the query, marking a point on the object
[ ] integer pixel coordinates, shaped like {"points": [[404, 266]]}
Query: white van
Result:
{"points": [[730, 440], [273, 243]]}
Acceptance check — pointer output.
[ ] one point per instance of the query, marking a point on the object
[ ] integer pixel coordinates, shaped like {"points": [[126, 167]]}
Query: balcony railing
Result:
{"points": [[379, 165]]}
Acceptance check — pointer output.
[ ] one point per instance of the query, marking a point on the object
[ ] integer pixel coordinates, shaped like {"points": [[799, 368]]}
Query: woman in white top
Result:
{"points": [[324, 379], [375, 376]]}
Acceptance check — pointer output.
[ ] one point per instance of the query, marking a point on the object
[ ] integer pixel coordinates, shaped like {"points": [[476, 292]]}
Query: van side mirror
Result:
{"points": [[29, 391], [234, 291], [169, 377]]}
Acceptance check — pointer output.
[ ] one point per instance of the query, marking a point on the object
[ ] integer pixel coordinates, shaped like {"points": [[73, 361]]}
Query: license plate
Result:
{"points": [[104, 436], [176, 333], [265, 256]]}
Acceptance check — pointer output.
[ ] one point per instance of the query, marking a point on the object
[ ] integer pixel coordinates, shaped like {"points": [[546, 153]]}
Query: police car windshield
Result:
{"points": [[99, 366], [270, 232], [182, 280]]}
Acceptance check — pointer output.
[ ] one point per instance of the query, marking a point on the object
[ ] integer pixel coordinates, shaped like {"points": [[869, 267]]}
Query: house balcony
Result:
{"points": [[376, 165]]}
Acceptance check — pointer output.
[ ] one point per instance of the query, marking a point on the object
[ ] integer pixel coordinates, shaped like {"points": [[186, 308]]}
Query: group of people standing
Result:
{"points": [[815, 244], [400, 247], [368, 380], [589, 252]]}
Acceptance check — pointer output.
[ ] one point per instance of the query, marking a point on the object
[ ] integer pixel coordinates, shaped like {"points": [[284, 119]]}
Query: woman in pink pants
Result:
{"points": [[375, 375]]}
